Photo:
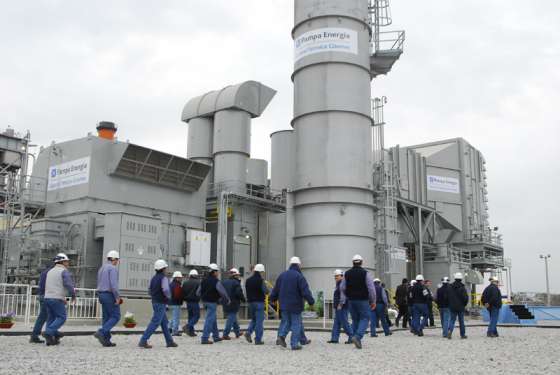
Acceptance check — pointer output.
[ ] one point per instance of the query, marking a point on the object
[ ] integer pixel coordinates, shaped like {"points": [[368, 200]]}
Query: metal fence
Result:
{"points": [[22, 300]]}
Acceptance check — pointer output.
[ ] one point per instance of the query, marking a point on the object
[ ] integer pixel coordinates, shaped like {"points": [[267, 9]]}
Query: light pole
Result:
{"points": [[546, 258]]}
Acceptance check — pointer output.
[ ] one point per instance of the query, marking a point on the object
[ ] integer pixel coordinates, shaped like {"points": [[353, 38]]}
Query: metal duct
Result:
{"points": [[199, 146], [283, 160], [334, 211]]}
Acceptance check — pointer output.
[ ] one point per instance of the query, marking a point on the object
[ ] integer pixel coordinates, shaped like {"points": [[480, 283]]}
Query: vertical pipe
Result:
{"points": [[334, 210]]}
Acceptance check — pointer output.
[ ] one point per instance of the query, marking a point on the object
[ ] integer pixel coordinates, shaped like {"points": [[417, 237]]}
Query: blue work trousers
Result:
{"points": [[360, 312], [232, 324], [56, 311], [376, 315], [193, 310], [420, 317], [291, 322], [210, 322], [111, 313], [175, 318], [453, 317], [444, 314], [256, 311], [341, 321], [159, 319], [493, 323], [41, 318]]}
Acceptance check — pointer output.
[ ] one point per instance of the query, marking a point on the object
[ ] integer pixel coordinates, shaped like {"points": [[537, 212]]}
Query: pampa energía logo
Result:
{"points": [[443, 184], [69, 174], [329, 39]]}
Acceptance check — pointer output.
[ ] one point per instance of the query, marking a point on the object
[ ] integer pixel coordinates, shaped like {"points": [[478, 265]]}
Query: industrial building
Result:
{"points": [[335, 188]]}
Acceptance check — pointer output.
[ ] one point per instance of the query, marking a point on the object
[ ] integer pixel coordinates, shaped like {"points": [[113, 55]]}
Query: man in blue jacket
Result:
{"points": [[235, 294], [42, 317], [211, 292], [492, 300], [291, 289], [256, 289], [161, 294], [378, 314], [358, 289], [340, 316], [109, 298]]}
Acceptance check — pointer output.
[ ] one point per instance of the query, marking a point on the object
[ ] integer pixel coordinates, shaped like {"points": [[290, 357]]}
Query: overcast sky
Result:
{"points": [[488, 71]]}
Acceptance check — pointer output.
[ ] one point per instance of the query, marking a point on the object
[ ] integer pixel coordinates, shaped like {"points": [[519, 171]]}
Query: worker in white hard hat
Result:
{"points": [[57, 285], [379, 313], [176, 302], [291, 289], [109, 297], [492, 300], [190, 286], [340, 315], [420, 297], [212, 292], [442, 300], [256, 289], [458, 300], [232, 285], [161, 294], [358, 290]]}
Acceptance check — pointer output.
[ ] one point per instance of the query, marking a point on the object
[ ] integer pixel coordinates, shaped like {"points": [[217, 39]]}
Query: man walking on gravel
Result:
{"points": [[492, 300], [458, 300], [190, 287], [109, 298]]}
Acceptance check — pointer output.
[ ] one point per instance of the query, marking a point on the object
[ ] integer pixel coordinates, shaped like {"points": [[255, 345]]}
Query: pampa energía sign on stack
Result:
{"points": [[443, 184], [329, 39], [72, 173]]}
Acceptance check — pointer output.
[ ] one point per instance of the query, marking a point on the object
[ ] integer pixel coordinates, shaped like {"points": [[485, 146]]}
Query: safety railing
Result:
{"points": [[388, 41], [240, 187], [22, 300]]}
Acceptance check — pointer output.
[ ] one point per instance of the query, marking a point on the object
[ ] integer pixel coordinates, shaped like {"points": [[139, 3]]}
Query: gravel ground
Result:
{"points": [[518, 351]]}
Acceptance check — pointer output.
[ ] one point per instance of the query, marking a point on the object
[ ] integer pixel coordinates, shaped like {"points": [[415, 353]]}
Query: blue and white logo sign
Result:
{"points": [[330, 39], [72, 173], [443, 184]]}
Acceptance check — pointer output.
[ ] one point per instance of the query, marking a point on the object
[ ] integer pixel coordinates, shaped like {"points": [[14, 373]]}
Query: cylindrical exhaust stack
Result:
{"points": [[199, 146], [106, 130], [333, 205]]}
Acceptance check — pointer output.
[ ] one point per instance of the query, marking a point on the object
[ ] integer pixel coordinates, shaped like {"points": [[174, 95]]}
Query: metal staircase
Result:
{"points": [[386, 46]]}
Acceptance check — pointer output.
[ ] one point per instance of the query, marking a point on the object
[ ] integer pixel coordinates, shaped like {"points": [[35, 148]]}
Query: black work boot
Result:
{"points": [[36, 340]]}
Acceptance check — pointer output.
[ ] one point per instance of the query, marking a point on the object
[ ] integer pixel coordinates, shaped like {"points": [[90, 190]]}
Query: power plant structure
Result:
{"points": [[335, 189]]}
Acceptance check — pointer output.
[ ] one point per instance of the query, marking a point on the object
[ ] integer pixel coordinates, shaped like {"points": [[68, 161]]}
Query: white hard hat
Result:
{"points": [[60, 257], [458, 276], [493, 278], [259, 268], [338, 273], [213, 267], [193, 273], [295, 260], [113, 254], [445, 280], [160, 264], [357, 258], [234, 271], [177, 274], [376, 280], [412, 282], [419, 277]]}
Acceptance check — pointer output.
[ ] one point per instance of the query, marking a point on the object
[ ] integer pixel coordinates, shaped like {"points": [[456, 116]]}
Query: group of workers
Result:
{"points": [[356, 293]]}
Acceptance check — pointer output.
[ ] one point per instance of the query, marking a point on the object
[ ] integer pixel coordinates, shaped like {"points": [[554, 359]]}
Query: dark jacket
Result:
{"points": [[419, 294], [401, 298], [255, 288], [442, 296], [458, 297], [42, 282], [235, 293], [176, 293], [492, 296], [336, 295], [356, 284], [208, 290], [156, 292], [291, 289], [189, 290]]}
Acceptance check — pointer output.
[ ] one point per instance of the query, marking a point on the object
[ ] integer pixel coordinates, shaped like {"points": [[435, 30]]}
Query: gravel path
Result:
{"points": [[518, 351]]}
